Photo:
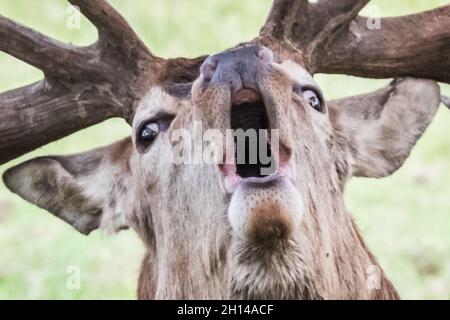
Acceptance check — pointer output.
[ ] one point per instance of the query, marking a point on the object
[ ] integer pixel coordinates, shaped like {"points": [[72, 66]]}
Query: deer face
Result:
{"points": [[231, 227], [244, 90]]}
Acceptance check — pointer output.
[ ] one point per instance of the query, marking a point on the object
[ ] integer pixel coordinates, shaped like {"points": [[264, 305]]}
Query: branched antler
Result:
{"points": [[333, 39], [300, 26], [415, 45], [86, 85], [82, 85]]}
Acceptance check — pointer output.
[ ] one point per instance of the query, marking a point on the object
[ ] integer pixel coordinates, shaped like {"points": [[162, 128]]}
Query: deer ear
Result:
{"points": [[382, 127], [87, 190]]}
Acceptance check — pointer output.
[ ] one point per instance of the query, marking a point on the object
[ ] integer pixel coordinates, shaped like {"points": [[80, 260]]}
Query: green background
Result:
{"points": [[404, 218]]}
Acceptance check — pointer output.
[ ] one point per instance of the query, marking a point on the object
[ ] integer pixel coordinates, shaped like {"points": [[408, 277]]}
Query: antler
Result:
{"points": [[82, 85], [331, 38], [86, 85]]}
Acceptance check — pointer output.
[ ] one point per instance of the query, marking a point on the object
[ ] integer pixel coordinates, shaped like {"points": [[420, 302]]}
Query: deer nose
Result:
{"points": [[238, 68]]}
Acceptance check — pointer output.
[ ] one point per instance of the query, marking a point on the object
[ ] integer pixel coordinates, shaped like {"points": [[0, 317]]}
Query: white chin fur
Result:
{"points": [[263, 211]]}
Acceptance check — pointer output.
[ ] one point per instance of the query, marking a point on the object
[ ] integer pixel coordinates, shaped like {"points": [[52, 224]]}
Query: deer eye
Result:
{"points": [[313, 100], [150, 130]]}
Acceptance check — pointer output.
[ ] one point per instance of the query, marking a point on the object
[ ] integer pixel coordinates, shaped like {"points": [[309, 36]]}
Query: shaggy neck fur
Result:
{"points": [[200, 260]]}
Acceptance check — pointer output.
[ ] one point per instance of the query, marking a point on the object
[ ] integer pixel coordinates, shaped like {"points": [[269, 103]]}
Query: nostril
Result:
{"points": [[265, 55], [208, 68]]}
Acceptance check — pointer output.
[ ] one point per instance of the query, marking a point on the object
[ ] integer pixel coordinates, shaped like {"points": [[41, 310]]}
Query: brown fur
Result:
{"points": [[290, 240]]}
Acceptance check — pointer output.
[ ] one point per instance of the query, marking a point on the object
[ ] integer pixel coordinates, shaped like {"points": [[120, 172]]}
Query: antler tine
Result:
{"points": [[297, 29], [115, 30], [335, 17], [336, 14], [54, 58], [282, 15]]}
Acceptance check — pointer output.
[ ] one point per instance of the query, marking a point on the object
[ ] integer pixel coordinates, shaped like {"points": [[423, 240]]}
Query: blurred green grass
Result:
{"points": [[404, 218]]}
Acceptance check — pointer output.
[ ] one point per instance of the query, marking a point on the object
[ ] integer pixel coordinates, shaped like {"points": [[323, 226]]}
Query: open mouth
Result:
{"points": [[257, 157], [250, 124]]}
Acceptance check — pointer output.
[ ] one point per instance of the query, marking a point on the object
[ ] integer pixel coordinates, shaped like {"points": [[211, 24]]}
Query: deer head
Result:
{"points": [[226, 228]]}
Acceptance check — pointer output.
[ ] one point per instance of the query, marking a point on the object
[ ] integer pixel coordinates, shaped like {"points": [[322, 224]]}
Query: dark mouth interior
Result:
{"points": [[245, 116]]}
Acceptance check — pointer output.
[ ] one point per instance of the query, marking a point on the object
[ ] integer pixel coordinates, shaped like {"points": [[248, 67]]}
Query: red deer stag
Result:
{"points": [[226, 230]]}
